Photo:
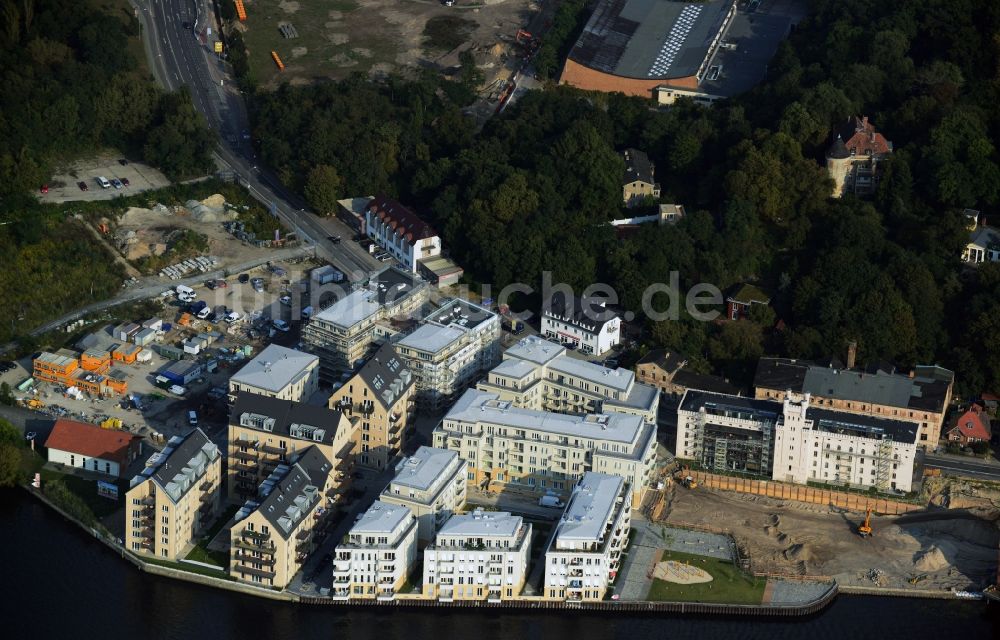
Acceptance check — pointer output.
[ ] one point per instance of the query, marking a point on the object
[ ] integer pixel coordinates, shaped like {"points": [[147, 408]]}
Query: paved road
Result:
{"points": [[958, 466], [181, 55]]}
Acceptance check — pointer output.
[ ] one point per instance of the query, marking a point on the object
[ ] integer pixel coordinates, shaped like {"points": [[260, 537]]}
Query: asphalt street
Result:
{"points": [[178, 36], [957, 466]]}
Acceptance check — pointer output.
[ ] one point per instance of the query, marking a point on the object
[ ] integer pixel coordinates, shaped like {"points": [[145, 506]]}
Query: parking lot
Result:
{"points": [[64, 187]]}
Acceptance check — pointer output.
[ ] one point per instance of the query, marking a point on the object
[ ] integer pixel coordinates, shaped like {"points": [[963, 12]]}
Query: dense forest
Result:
{"points": [[73, 83], [530, 191]]}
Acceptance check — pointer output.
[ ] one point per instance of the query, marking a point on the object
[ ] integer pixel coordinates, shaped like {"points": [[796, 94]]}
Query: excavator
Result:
{"points": [[865, 528]]}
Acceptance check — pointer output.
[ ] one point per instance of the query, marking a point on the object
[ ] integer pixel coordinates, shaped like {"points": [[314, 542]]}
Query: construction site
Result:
{"points": [[300, 42], [946, 542]]}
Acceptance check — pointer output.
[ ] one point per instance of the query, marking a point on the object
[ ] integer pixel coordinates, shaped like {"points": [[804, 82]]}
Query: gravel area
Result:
{"points": [[697, 542], [796, 591]]}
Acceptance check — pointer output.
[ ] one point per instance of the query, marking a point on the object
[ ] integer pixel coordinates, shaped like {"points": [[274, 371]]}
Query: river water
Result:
{"points": [[59, 583]]}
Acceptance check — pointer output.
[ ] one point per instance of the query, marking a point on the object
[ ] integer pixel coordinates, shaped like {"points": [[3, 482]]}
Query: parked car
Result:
{"points": [[45, 188], [193, 418], [116, 183], [103, 182], [258, 284], [243, 279], [221, 284], [125, 182], [177, 390], [83, 186], [281, 325], [6, 366], [204, 313], [232, 316], [122, 161], [334, 239], [285, 300], [210, 284]]}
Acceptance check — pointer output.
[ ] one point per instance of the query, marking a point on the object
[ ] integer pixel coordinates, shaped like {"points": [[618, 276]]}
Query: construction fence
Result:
{"points": [[801, 493]]}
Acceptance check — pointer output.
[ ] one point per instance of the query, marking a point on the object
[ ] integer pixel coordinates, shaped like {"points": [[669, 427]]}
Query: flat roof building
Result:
{"points": [[636, 46], [584, 556], [793, 441], [538, 451], [342, 334], [278, 372], [453, 346], [922, 397], [432, 485], [378, 555], [539, 374], [481, 555]]}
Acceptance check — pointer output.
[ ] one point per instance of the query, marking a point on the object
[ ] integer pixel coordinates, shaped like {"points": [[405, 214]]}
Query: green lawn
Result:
{"points": [[86, 490], [729, 585], [190, 568], [200, 553]]}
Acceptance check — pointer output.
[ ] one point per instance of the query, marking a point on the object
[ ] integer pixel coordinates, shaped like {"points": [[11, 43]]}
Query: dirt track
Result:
{"points": [[939, 549]]}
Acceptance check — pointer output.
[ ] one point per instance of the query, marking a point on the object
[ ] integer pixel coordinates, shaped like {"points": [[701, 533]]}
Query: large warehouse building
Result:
{"points": [[639, 46]]}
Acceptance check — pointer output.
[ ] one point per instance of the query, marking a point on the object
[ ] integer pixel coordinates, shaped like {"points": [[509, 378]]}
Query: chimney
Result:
{"points": [[852, 354]]}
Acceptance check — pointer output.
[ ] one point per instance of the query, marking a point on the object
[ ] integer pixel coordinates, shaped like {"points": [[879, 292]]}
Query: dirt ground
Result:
{"points": [[142, 232], [339, 37], [938, 548], [63, 186]]}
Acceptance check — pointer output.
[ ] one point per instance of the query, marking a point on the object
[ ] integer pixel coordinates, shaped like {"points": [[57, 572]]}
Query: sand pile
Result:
{"points": [[799, 553], [680, 573], [930, 560], [211, 209]]}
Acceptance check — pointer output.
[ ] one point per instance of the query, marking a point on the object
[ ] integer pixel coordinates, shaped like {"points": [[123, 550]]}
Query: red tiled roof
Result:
{"points": [[91, 441], [861, 138], [972, 424], [403, 221]]}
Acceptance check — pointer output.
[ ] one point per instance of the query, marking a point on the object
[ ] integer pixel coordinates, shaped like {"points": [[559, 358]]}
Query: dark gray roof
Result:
{"points": [[182, 463], [704, 382], [838, 150], [862, 425], [649, 39], [585, 313], [823, 419], [695, 400], [285, 417], [638, 168], [386, 375], [286, 499], [666, 360], [879, 385]]}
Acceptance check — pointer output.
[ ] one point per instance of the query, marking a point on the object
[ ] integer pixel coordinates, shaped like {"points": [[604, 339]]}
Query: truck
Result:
{"points": [[326, 275], [551, 502]]}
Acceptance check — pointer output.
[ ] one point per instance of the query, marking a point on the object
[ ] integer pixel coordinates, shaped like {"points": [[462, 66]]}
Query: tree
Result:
{"points": [[10, 465], [323, 189], [5, 395], [9, 434]]}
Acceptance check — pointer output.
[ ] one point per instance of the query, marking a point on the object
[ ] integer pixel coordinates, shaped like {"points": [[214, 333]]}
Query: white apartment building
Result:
{"points": [[791, 441], [583, 323], [584, 555], [538, 374], [401, 232], [538, 451], [481, 555], [380, 551], [432, 485], [450, 350], [344, 333], [277, 372]]}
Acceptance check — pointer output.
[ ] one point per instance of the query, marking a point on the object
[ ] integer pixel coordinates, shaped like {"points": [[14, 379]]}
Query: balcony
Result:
{"points": [[272, 450], [249, 559], [242, 466], [147, 544], [250, 571], [245, 455], [340, 594], [208, 495], [259, 547]]}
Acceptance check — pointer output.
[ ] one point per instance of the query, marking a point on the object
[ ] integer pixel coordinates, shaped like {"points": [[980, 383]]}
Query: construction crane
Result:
{"points": [[865, 528]]}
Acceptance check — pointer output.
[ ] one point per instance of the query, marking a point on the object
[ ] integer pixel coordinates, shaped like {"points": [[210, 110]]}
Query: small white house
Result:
{"points": [[581, 323], [85, 446]]}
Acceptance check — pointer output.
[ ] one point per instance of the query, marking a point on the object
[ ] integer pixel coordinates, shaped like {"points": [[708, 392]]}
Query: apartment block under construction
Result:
{"points": [[791, 441], [90, 373]]}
